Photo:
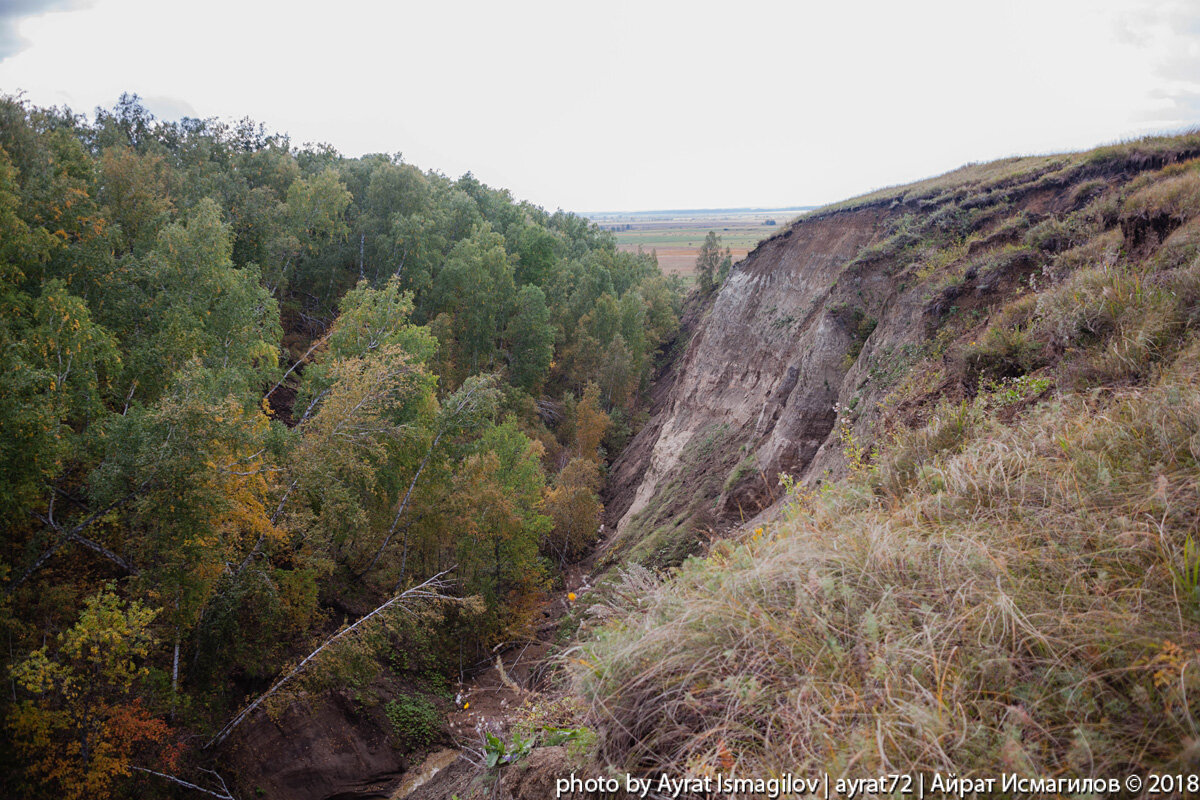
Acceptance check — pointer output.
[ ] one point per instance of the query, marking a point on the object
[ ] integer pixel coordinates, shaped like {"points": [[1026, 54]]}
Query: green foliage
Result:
{"points": [[497, 506], [1011, 391], [1185, 569], [498, 754], [476, 290], [531, 338], [257, 383], [415, 721], [712, 264]]}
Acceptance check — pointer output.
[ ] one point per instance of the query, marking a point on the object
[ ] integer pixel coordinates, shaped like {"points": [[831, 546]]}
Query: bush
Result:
{"points": [[415, 721], [1002, 352]]}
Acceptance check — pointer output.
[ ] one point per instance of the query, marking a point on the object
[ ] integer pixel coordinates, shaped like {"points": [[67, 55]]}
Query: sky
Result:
{"points": [[622, 106]]}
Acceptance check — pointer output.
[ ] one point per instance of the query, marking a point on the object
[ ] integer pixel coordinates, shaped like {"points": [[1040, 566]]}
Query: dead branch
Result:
{"points": [[299, 361], [429, 590], [227, 795], [74, 535]]}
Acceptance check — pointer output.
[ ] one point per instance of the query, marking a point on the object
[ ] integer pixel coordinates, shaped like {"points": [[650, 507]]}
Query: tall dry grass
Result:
{"points": [[1018, 598]]}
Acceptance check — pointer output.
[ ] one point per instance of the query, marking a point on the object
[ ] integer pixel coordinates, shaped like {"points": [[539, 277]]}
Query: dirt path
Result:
{"points": [[486, 701], [489, 697]]}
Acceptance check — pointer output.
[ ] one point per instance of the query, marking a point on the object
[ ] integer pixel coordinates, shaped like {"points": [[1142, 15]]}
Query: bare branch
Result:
{"points": [[299, 361], [95, 547], [73, 535], [35, 566], [429, 590], [227, 795]]}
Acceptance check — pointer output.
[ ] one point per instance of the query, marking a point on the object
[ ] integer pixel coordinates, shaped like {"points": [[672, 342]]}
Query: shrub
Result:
{"points": [[415, 721], [1002, 352]]}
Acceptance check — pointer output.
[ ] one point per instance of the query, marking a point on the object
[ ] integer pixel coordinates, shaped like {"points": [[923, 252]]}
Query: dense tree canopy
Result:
{"points": [[251, 390]]}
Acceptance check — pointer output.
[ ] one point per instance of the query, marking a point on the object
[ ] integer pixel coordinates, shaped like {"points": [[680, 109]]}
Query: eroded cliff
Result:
{"points": [[803, 359]]}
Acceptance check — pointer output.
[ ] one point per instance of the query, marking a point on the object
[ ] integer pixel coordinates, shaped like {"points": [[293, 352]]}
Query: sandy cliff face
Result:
{"points": [[795, 361], [754, 393]]}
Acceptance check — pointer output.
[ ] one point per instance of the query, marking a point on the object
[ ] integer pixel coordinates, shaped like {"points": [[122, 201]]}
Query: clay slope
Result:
{"points": [[798, 357]]}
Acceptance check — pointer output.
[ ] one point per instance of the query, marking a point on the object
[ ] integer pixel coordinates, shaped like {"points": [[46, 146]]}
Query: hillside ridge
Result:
{"points": [[815, 319]]}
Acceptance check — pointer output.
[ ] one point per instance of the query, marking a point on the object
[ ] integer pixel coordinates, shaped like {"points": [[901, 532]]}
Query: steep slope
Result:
{"points": [[791, 365], [998, 577]]}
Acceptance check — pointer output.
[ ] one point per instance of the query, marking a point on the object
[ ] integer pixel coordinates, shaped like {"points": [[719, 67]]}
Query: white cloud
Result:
{"points": [[13, 11], [642, 104]]}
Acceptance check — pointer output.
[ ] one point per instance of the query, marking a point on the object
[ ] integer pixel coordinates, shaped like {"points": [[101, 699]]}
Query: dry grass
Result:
{"points": [[1013, 590], [1177, 197], [1011, 600], [989, 175], [1060, 168]]}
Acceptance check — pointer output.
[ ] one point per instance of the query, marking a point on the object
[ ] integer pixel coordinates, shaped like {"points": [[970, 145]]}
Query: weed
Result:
{"points": [[498, 754], [1011, 391], [858, 458], [415, 721], [1185, 569]]}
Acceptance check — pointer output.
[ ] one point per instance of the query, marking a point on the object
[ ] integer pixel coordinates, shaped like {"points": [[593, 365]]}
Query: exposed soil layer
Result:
{"points": [[797, 352], [753, 395], [322, 749]]}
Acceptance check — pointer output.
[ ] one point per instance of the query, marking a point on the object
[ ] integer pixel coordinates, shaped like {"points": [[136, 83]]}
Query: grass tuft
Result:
{"points": [[994, 597]]}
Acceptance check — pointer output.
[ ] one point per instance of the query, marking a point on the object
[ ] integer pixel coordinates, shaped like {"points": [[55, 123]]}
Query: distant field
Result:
{"points": [[677, 235]]}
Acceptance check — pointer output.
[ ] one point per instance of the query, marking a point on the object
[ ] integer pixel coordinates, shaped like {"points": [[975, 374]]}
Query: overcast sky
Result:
{"points": [[636, 105]]}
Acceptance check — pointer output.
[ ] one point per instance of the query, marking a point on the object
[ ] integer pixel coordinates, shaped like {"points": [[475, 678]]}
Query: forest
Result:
{"points": [[253, 392]]}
